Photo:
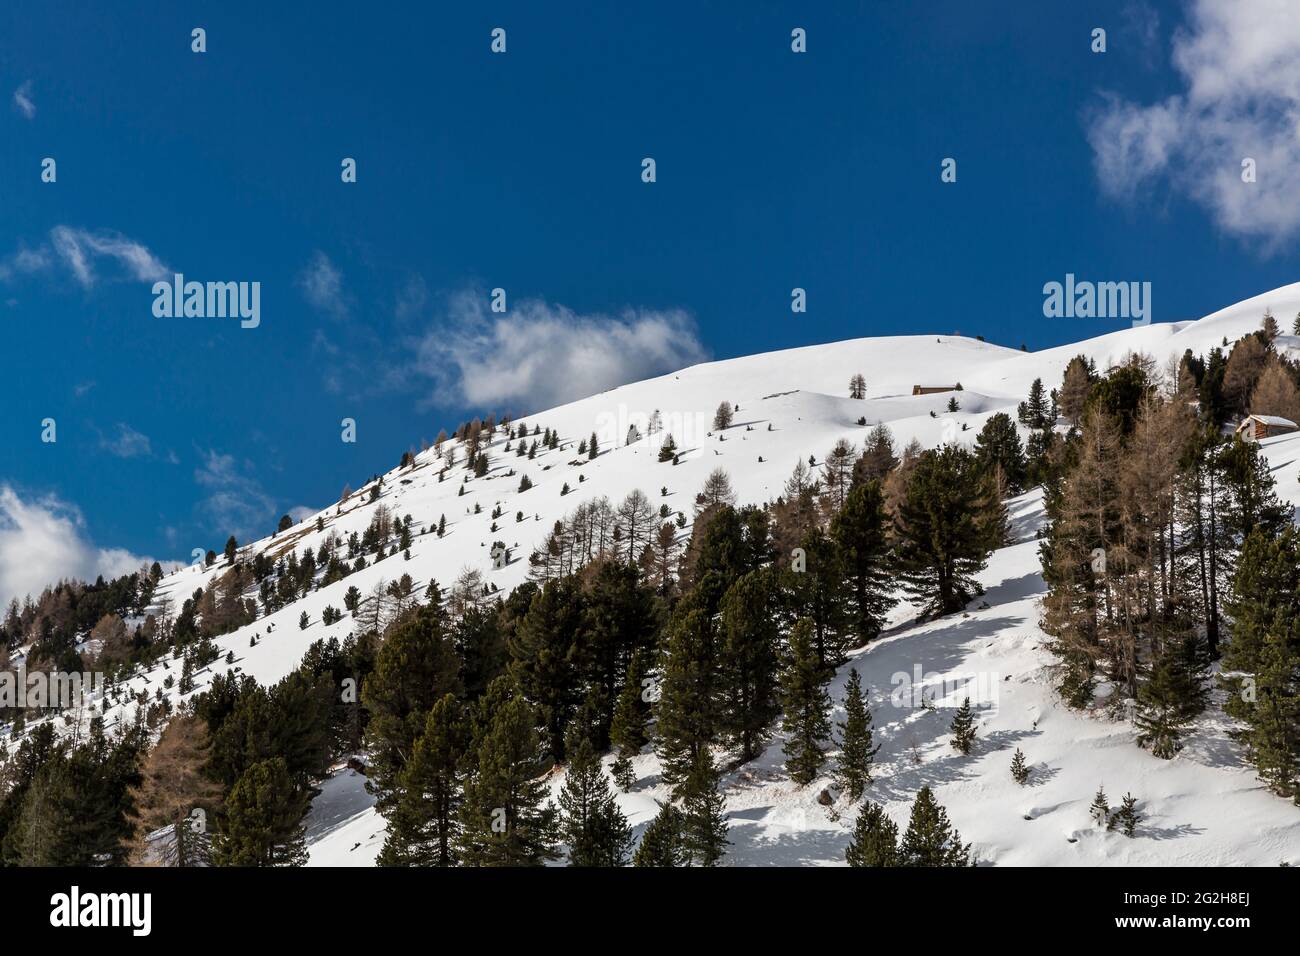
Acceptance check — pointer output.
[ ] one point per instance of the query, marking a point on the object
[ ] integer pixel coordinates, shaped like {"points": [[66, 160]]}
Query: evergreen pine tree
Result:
{"points": [[963, 728], [942, 530], [1273, 717], [1127, 815], [262, 824], [423, 826], [1100, 809], [806, 704], [593, 448], [591, 823], [1171, 696], [545, 653], [415, 668], [704, 829], [1019, 769], [853, 771], [662, 844], [930, 839], [998, 445], [748, 661], [860, 529], [875, 839], [687, 709], [504, 821], [627, 729]]}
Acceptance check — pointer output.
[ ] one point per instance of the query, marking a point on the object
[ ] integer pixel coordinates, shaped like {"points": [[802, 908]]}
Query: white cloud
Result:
{"points": [[322, 285], [301, 512], [237, 503], [538, 355], [43, 540], [1240, 67], [128, 443], [23, 100], [24, 262], [79, 249]]}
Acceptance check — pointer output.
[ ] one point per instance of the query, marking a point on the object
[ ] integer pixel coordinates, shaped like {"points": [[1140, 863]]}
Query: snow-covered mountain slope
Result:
{"points": [[1203, 807]]}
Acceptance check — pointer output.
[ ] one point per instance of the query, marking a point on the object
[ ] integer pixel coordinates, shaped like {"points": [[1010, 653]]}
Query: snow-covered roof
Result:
{"points": [[1274, 420]]}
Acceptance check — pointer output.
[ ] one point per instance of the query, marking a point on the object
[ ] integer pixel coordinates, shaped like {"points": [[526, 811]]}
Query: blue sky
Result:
{"points": [[523, 171]]}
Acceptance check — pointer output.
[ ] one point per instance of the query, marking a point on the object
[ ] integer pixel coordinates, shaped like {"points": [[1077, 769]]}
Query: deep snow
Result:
{"points": [[1204, 807]]}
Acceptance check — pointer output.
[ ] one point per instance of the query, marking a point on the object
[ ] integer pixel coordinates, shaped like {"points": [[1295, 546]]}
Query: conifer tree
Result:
{"points": [[998, 445], [963, 728], [423, 826], [591, 823], [544, 652], [853, 771], [593, 448], [821, 593], [262, 825], [807, 705], [875, 839], [1269, 327], [1076, 388], [930, 839], [504, 819], [415, 668], [687, 709], [627, 729], [1019, 769], [662, 844], [1085, 512], [1272, 717], [1035, 413], [943, 534], [173, 787], [704, 829], [878, 458], [1171, 696], [1100, 809], [1127, 816], [748, 662], [860, 530]]}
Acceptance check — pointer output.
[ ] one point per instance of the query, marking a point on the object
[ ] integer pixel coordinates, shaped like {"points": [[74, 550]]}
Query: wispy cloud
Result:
{"points": [[1240, 67], [236, 502], [43, 540], [127, 443], [85, 253], [23, 100], [539, 354], [24, 262], [322, 286], [81, 249]]}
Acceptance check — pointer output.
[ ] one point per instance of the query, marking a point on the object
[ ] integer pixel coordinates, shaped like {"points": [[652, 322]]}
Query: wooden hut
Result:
{"points": [[1255, 427]]}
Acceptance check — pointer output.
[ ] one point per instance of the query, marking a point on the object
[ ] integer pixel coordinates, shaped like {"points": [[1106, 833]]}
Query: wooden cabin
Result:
{"points": [[1255, 427], [932, 389]]}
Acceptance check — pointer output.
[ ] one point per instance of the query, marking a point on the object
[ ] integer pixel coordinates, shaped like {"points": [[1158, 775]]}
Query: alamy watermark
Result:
{"points": [[41, 689], [626, 425], [1097, 300], [919, 689], [209, 300]]}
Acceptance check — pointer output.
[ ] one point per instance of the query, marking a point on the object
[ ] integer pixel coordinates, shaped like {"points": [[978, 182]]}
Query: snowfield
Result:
{"points": [[1202, 808]]}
